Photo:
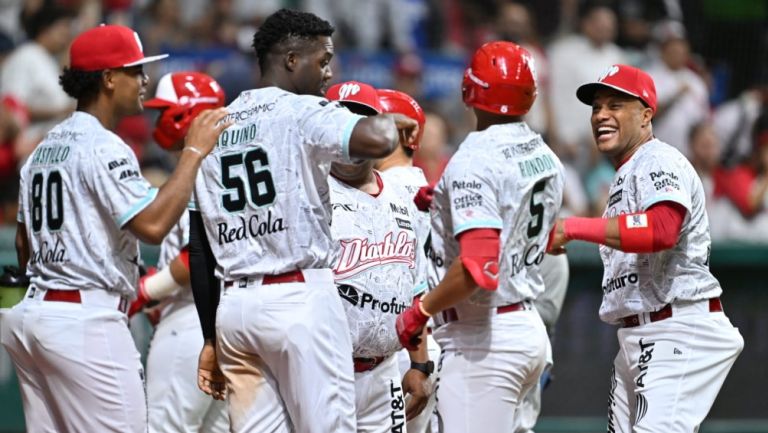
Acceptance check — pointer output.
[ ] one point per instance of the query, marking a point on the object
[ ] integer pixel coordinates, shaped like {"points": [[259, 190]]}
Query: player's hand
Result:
{"points": [[142, 298], [210, 379], [205, 130], [423, 198], [418, 386], [557, 239], [407, 128], [410, 325]]}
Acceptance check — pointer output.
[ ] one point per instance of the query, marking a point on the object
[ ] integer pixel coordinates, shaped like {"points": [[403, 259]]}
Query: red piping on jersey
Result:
{"points": [[380, 183]]}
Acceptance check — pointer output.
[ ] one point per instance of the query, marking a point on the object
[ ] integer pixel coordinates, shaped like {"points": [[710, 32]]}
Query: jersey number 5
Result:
{"points": [[259, 190], [537, 210], [54, 202]]}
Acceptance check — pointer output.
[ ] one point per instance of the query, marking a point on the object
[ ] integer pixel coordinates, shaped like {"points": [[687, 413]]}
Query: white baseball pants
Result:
{"points": [[379, 399], [175, 403], [77, 364], [486, 368], [667, 373], [286, 352]]}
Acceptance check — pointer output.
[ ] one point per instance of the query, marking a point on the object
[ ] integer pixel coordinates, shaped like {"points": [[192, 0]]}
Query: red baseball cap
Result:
{"points": [[355, 92], [108, 47], [624, 78]]}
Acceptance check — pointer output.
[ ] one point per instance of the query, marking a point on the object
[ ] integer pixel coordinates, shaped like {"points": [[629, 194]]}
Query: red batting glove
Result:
{"points": [[142, 299], [423, 198], [410, 324]]}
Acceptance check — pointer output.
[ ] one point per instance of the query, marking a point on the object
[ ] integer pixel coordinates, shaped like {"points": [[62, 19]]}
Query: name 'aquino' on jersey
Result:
{"points": [[263, 190]]}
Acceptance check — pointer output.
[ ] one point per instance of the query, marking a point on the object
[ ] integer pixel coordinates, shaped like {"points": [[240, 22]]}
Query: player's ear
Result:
{"points": [[108, 79], [291, 60], [647, 116]]}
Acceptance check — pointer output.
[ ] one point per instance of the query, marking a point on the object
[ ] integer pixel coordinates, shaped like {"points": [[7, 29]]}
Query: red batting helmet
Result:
{"points": [[394, 101], [500, 79], [182, 96]]}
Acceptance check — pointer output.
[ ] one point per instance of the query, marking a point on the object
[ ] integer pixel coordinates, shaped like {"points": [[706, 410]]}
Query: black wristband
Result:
{"points": [[425, 367]]}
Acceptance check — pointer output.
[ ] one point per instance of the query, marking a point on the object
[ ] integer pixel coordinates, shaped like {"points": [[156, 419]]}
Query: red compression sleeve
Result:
{"points": [[184, 255], [585, 229], [668, 219], [480, 256], [655, 230]]}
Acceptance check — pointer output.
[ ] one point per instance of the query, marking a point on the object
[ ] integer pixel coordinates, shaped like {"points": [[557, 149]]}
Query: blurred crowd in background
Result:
{"points": [[709, 59]]}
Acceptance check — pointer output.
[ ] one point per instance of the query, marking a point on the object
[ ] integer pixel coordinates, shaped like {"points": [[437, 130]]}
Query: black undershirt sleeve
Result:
{"points": [[205, 286]]}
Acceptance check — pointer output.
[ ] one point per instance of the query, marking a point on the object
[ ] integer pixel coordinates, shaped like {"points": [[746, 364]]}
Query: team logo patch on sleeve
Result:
{"points": [[637, 221]]}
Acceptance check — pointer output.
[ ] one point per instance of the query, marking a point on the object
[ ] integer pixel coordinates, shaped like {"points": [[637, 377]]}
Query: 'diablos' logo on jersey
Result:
{"points": [[358, 255]]}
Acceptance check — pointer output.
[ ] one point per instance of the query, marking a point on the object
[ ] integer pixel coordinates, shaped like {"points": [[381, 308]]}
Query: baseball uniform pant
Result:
{"points": [[285, 351], [77, 364], [555, 271], [486, 368], [667, 373], [379, 399], [175, 403], [421, 424]]}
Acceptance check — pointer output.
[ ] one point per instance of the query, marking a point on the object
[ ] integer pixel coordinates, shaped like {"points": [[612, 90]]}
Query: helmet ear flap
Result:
{"points": [[171, 127]]}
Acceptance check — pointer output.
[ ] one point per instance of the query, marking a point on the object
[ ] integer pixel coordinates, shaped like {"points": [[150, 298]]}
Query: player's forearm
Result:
{"points": [[179, 271], [205, 287], [456, 286], [421, 355], [22, 247], [656, 229]]}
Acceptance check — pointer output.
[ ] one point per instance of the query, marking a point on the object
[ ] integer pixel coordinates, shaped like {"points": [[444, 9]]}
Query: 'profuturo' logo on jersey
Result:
{"points": [[619, 282], [358, 255], [351, 295]]}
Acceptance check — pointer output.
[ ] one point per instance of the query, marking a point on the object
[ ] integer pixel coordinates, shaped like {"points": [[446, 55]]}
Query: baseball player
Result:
{"points": [[175, 403], [83, 206], [378, 272], [399, 168], [491, 215], [676, 345], [262, 227]]}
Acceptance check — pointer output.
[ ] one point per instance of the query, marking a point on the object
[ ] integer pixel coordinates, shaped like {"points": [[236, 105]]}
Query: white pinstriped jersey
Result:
{"points": [[376, 270], [636, 283], [78, 190], [263, 191], [504, 178]]}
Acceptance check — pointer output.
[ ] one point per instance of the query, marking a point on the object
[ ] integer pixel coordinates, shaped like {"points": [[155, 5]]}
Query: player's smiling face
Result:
{"points": [[313, 70], [129, 87], [620, 123]]}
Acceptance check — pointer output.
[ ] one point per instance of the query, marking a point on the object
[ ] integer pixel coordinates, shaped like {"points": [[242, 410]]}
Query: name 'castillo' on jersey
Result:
{"points": [[377, 271], [78, 190], [505, 178], [637, 283], [263, 191]]}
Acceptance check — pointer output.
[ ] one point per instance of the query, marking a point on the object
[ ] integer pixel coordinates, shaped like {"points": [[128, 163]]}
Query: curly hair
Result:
{"points": [[81, 85], [284, 25]]}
